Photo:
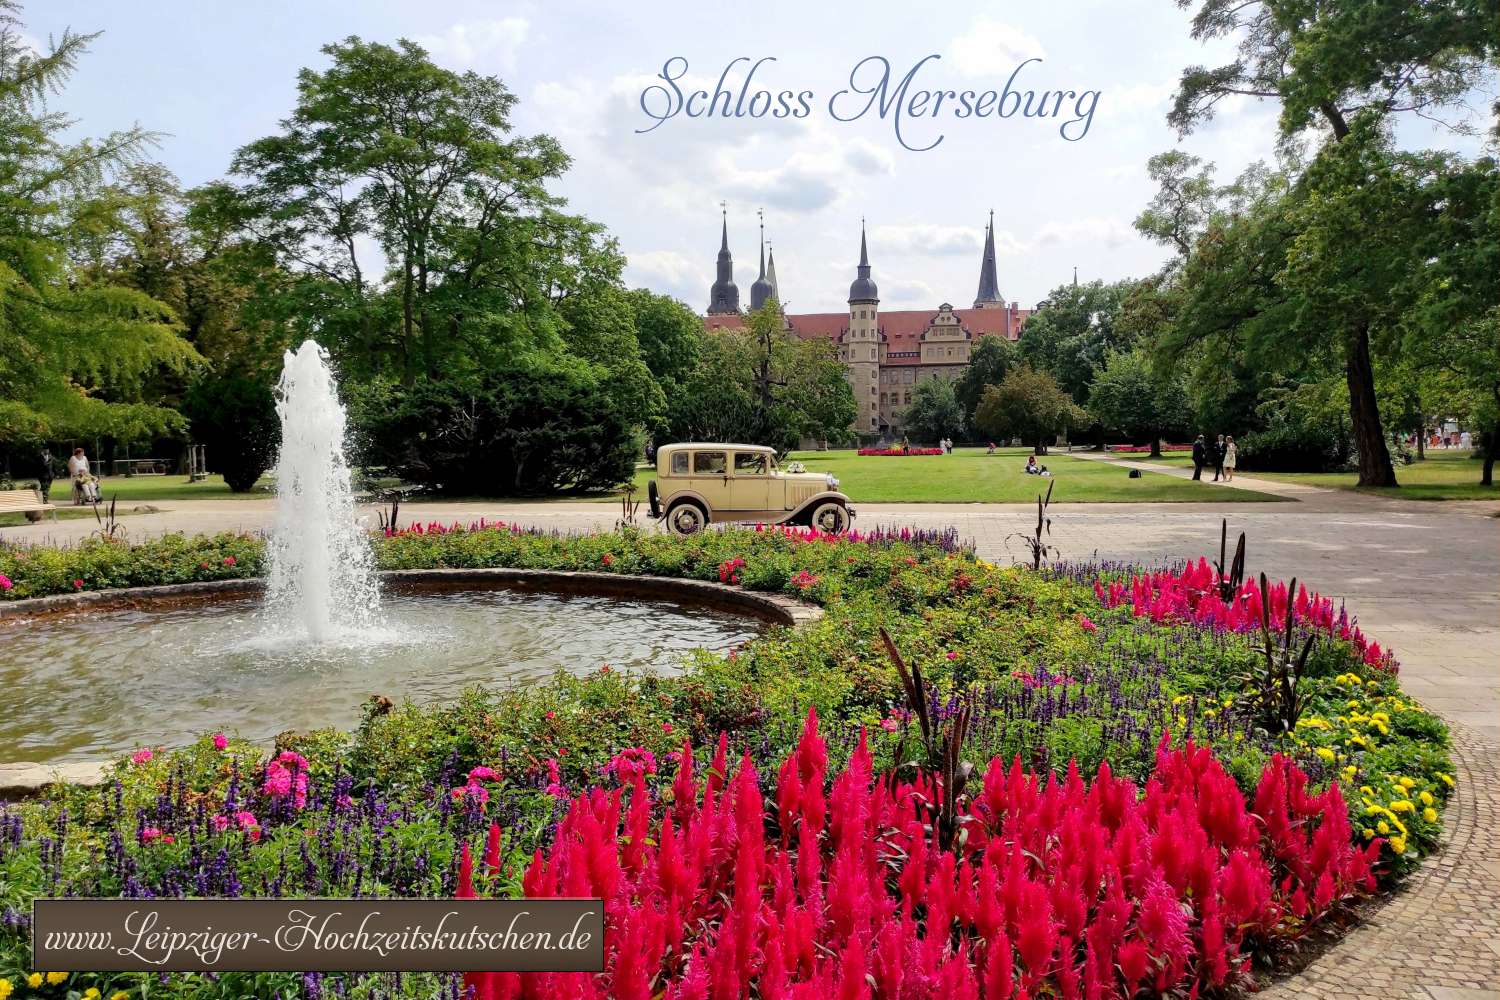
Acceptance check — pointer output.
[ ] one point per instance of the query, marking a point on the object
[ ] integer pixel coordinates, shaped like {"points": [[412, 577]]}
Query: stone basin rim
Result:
{"points": [[22, 779]]}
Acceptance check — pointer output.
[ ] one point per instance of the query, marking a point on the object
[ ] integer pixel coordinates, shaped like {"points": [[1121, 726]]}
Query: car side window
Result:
{"points": [[679, 463], [710, 463], [749, 463]]}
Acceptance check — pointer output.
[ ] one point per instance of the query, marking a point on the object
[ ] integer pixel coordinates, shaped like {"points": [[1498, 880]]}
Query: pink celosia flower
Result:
{"points": [[220, 741]]}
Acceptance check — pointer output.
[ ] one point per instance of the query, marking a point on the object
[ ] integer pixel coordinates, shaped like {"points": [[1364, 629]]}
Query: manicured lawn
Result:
{"points": [[1442, 475], [970, 476], [158, 488]]}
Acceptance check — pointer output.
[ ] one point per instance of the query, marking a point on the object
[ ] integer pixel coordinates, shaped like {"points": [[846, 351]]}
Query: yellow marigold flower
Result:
{"points": [[1368, 833], [34, 980], [1366, 790], [1426, 798], [53, 978], [1350, 771], [122, 995], [1383, 827], [1351, 704], [1429, 814], [92, 993], [6, 989], [1326, 754], [1405, 782], [1403, 806], [1445, 779], [1398, 844]]}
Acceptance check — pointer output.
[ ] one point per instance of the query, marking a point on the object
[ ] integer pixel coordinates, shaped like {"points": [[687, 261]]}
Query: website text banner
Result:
{"points": [[318, 935]]}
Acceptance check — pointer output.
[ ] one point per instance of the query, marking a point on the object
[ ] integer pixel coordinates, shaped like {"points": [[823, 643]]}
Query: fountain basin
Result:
{"points": [[147, 666]]}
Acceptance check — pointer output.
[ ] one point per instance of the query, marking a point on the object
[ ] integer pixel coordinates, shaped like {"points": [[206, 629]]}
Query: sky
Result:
{"points": [[213, 76]]}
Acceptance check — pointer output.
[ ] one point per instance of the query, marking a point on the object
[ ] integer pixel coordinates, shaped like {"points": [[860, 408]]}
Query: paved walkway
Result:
{"points": [[1420, 577]]}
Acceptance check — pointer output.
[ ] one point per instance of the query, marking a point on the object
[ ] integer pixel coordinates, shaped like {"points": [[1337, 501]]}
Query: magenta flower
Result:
{"points": [[5, 583], [141, 756], [220, 741]]}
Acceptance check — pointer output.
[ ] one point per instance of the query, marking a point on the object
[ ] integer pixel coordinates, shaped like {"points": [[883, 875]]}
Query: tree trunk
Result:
{"points": [[1375, 467], [1155, 445], [1041, 446], [1422, 442]]}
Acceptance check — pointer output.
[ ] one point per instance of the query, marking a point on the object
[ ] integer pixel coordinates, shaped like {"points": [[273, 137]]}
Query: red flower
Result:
{"points": [[77, 584]]}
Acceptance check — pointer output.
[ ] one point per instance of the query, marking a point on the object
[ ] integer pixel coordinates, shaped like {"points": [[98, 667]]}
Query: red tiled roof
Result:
{"points": [[901, 329]]}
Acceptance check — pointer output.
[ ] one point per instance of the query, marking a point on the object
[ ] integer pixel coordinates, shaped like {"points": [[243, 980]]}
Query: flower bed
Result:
{"points": [[1207, 860], [1145, 449], [900, 452]]}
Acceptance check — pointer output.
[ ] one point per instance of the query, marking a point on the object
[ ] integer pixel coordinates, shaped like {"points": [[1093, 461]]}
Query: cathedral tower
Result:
{"points": [[989, 296], [862, 343], [723, 296], [763, 288]]}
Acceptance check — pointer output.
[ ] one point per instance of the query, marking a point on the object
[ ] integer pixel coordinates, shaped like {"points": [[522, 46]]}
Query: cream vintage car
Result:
{"points": [[697, 484]]}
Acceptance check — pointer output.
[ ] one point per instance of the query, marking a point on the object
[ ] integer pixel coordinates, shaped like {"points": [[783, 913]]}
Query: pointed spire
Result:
{"points": [[863, 289], [762, 289], [723, 296], [771, 272], [988, 296]]}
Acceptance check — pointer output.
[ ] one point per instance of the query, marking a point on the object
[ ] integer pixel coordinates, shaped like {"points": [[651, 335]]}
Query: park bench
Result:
{"points": [[28, 502]]}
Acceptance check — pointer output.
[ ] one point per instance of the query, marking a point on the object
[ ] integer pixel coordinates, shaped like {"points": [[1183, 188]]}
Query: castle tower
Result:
{"points": [[763, 289], [989, 296], [862, 343], [771, 272], [723, 296]]}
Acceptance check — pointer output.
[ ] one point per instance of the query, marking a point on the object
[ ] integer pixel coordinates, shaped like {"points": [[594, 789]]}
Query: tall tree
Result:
{"points": [[1132, 399], [1029, 405], [1331, 66], [1074, 332], [989, 360], [935, 412], [75, 350]]}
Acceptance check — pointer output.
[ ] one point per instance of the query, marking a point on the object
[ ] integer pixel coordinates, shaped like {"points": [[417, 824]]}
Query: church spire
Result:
{"points": [[762, 289], [863, 289], [771, 272], [723, 295], [989, 296]]}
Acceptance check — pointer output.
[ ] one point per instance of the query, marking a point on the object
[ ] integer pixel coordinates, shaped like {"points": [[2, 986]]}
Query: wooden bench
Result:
{"points": [[28, 502]]}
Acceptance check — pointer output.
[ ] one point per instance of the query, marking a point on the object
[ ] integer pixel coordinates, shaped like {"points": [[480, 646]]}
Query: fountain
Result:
{"points": [[322, 587]]}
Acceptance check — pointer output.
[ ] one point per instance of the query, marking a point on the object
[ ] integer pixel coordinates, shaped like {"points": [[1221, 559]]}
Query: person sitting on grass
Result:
{"points": [[1031, 469], [991, 449]]}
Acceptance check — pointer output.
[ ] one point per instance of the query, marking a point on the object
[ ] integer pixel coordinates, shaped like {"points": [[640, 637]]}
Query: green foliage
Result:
{"points": [[989, 359], [1128, 398], [761, 384], [75, 351], [510, 432], [1029, 405], [1074, 331], [935, 412], [234, 416], [97, 564]]}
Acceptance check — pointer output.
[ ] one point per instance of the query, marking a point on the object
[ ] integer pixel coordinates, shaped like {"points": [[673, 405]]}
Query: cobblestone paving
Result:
{"points": [[1421, 577]]}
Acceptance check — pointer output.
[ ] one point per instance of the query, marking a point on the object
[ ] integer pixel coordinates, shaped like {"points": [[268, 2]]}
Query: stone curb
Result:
{"points": [[25, 778]]}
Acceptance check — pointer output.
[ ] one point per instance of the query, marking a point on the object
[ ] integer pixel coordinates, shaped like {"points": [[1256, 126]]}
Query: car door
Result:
{"points": [[750, 483], [710, 478]]}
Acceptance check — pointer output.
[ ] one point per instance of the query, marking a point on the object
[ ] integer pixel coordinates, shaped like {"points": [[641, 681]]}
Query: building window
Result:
{"points": [[907, 400]]}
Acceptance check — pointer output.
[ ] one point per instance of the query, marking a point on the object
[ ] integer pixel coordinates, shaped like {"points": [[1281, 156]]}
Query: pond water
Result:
{"points": [[101, 683]]}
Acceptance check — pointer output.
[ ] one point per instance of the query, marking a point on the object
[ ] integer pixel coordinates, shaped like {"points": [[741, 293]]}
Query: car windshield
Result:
{"points": [[749, 463], [710, 463]]}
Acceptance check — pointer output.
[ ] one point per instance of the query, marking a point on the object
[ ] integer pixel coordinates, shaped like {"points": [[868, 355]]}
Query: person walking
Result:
{"points": [[1231, 457], [1216, 452], [1200, 457], [45, 472]]}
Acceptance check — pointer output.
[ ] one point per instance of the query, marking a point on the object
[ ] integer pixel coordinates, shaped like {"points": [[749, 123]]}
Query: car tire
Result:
{"points": [[830, 518], [686, 518]]}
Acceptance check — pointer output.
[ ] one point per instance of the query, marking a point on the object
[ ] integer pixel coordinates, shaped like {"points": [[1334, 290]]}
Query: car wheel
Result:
{"points": [[830, 518], [686, 519]]}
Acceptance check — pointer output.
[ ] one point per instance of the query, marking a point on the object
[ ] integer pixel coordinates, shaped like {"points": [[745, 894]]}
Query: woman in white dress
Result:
{"points": [[1231, 455]]}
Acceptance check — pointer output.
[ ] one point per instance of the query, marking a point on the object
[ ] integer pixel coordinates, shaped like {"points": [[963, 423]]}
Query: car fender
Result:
{"points": [[676, 496], [803, 512]]}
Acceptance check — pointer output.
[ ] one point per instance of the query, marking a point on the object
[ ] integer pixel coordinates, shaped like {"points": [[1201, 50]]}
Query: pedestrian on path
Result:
{"points": [[1200, 457], [1231, 456], [1216, 454]]}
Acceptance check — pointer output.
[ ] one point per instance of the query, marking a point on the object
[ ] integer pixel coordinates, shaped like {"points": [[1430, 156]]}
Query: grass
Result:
{"points": [[1442, 475], [158, 488], [970, 476]]}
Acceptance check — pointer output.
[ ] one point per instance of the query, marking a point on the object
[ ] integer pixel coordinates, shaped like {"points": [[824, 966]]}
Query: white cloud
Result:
{"points": [[989, 47], [910, 290], [488, 45], [927, 240], [1139, 98], [1111, 233], [667, 271]]}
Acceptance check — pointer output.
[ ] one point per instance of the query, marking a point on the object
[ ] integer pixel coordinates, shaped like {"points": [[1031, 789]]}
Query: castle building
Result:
{"points": [[888, 352]]}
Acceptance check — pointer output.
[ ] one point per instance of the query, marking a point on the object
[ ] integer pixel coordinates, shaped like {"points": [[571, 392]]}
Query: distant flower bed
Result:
{"points": [[1142, 449], [900, 452], [1039, 815]]}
